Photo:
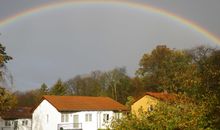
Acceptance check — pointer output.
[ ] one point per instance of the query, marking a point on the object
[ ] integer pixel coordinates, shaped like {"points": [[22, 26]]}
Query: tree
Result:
{"points": [[114, 83], [179, 114], [167, 69], [84, 86], [4, 58], [7, 100], [59, 88], [44, 90], [27, 98], [117, 84]]}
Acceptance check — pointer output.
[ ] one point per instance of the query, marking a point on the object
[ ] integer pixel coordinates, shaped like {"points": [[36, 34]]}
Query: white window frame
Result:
{"points": [[88, 117], [117, 115], [106, 117], [64, 117]]}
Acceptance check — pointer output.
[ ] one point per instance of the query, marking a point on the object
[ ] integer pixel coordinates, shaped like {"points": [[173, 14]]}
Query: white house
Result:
{"points": [[16, 119], [75, 113]]}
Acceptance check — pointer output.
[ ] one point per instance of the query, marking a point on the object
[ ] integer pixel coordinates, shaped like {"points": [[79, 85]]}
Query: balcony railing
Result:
{"points": [[14, 128], [69, 126]]}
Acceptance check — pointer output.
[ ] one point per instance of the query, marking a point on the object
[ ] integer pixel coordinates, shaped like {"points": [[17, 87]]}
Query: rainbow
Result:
{"points": [[140, 6]]}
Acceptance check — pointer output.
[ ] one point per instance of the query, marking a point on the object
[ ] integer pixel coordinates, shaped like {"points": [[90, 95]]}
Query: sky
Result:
{"points": [[78, 39]]}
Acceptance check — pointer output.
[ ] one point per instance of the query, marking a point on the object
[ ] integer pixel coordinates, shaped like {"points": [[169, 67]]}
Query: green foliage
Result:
{"points": [[169, 70], [194, 72], [7, 100], [181, 114], [59, 88], [130, 101], [4, 58]]}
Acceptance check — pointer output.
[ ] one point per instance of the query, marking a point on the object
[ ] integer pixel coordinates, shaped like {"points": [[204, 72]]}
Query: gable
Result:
{"points": [[143, 104]]}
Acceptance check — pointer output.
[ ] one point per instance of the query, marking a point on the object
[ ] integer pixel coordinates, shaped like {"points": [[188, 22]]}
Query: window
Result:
{"points": [[117, 115], [64, 117], [8, 123], [88, 117], [150, 108], [25, 122], [47, 118], [105, 117]]}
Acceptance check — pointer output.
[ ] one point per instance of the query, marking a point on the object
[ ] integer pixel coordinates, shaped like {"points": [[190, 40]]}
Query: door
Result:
{"points": [[75, 121]]}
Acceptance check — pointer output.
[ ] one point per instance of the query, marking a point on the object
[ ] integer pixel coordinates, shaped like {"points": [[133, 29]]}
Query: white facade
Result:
{"points": [[47, 117], [17, 124]]}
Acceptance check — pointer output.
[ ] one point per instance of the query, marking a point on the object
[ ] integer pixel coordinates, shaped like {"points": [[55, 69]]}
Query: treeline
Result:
{"points": [[114, 83]]}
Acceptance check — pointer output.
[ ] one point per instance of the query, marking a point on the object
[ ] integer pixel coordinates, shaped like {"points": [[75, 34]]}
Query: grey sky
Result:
{"points": [[65, 42]]}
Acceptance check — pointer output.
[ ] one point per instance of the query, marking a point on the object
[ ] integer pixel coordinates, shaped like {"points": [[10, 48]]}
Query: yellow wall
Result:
{"points": [[143, 104]]}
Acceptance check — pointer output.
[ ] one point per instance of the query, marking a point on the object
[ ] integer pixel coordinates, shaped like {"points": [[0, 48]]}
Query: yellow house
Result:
{"points": [[147, 102]]}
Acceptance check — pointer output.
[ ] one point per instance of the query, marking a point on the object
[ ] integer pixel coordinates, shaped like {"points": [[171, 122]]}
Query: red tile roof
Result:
{"points": [[162, 96], [17, 113], [86, 103]]}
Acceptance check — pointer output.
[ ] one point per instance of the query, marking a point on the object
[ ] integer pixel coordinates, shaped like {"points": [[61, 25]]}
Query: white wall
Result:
{"points": [[24, 127], [97, 119], [41, 113], [20, 126]]}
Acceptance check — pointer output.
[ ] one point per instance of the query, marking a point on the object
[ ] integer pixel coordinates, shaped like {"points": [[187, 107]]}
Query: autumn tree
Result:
{"points": [[175, 115], [7, 99], [168, 69], [207, 60], [27, 98]]}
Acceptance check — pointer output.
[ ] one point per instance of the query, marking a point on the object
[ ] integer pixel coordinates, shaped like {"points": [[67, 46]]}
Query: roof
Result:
{"points": [[17, 113], [163, 96], [84, 103]]}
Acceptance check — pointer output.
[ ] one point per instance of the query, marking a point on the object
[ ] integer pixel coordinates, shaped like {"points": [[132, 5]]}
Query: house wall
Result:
{"points": [[143, 104], [1, 122], [97, 119], [45, 117], [20, 125], [46, 110]]}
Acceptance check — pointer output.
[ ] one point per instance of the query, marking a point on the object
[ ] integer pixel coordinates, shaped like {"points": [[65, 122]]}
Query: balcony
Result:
{"points": [[70, 126]]}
